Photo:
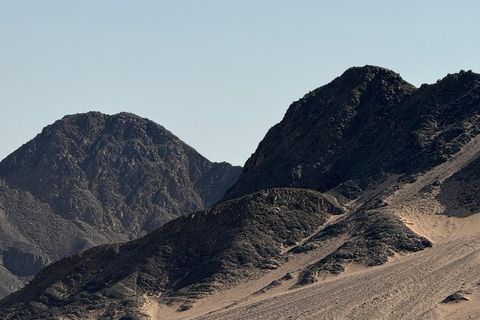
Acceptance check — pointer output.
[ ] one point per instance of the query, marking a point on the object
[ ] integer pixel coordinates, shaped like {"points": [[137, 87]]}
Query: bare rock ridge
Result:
{"points": [[314, 195], [184, 260], [369, 122], [90, 179], [198, 254]]}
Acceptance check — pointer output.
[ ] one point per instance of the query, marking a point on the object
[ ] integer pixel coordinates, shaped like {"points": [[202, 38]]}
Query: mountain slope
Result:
{"points": [[91, 179], [185, 259], [411, 288], [197, 255], [359, 128]]}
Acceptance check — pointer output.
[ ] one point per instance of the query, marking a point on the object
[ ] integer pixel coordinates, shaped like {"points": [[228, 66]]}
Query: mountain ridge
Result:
{"points": [[90, 179], [351, 120]]}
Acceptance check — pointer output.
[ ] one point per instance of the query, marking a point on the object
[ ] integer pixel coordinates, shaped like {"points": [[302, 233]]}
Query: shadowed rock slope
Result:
{"points": [[91, 179], [182, 261], [368, 123], [460, 192], [207, 251]]}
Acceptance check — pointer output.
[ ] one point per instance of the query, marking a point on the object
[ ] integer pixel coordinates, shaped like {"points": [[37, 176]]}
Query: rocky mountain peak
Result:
{"points": [[363, 124], [327, 125], [96, 179], [123, 172]]}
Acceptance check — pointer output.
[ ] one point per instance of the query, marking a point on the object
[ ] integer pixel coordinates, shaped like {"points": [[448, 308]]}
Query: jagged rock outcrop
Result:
{"points": [[90, 179], [365, 124], [456, 297]]}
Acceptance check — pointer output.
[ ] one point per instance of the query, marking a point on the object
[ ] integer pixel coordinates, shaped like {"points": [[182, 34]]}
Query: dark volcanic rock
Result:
{"points": [[118, 172], [456, 297], [372, 237], [367, 123], [185, 259], [90, 179]]}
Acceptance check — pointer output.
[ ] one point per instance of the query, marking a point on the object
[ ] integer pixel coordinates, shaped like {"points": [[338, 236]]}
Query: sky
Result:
{"points": [[218, 74]]}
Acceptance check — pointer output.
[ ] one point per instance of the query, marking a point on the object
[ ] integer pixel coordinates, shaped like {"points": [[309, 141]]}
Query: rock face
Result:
{"points": [[347, 134], [90, 179], [318, 187]]}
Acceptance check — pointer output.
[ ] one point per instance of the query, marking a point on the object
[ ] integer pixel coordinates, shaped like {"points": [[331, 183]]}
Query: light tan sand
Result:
{"points": [[152, 308], [425, 215]]}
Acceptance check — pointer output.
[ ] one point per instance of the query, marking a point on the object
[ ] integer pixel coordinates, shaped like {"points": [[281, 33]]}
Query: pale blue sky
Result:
{"points": [[218, 74]]}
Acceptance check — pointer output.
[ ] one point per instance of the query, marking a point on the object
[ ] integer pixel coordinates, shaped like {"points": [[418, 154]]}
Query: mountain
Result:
{"points": [[91, 179], [361, 203], [363, 126]]}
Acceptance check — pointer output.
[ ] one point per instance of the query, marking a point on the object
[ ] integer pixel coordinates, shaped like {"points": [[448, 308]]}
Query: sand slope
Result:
{"points": [[409, 288]]}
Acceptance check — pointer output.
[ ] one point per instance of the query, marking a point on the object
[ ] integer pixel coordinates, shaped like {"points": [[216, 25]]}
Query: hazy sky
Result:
{"points": [[218, 74]]}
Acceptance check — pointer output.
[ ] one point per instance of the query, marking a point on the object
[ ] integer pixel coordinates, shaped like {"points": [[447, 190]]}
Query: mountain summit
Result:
{"points": [[363, 125], [118, 172], [90, 179]]}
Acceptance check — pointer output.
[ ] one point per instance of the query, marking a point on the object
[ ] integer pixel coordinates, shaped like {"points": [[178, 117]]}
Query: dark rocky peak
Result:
{"points": [[364, 124], [452, 87], [456, 81], [357, 99], [121, 172], [90, 179], [319, 128], [359, 87]]}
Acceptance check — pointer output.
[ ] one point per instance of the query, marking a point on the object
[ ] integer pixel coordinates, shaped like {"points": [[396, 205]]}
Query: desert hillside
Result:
{"points": [[360, 204]]}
